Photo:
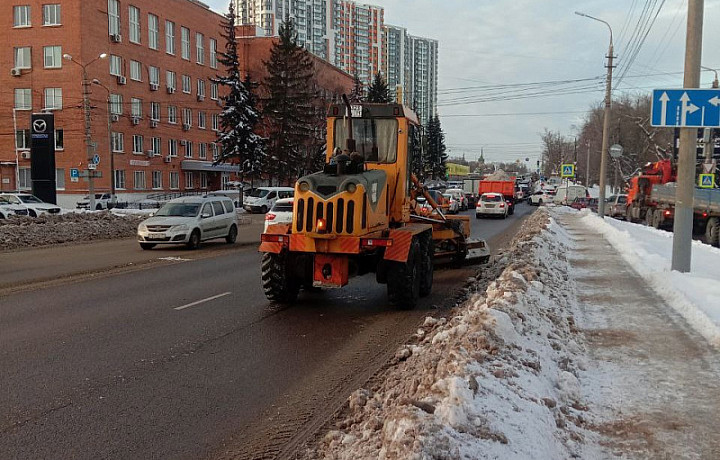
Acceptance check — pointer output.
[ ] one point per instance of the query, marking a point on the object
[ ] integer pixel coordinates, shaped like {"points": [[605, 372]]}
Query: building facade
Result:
{"points": [[358, 38]]}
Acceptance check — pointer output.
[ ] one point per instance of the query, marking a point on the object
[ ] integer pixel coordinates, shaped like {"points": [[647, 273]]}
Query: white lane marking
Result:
{"points": [[174, 259], [197, 302]]}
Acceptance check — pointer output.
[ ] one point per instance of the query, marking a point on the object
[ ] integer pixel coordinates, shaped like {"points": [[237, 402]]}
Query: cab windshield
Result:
{"points": [[259, 193], [375, 138], [179, 210]]}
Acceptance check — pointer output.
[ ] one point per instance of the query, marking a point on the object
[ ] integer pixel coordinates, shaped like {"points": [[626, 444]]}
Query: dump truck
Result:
{"points": [[504, 187], [360, 214]]}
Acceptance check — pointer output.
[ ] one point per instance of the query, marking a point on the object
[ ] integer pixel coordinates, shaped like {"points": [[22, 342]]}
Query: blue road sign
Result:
{"points": [[96, 158], [706, 180], [74, 173], [568, 170], [698, 108]]}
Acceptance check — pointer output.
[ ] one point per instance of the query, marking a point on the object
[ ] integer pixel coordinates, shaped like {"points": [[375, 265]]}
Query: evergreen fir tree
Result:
{"points": [[437, 155], [358, 92], [416, 152], [290, 109], [237, 138], [378, 90]]}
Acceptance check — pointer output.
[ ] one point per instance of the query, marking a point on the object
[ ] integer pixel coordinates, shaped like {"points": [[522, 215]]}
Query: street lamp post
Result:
{"points": [[109, 126], [86, 110], [606, 121]]}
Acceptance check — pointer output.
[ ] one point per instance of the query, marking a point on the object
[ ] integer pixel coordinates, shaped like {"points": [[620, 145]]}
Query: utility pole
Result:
{"points": [[707, 132], [682, 227], [606, 122], [587, 168]]}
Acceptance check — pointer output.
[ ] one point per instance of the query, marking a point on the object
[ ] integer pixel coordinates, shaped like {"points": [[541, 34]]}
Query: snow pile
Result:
{"points": [[498, 380], [695, 295], [498, 175], [21, 232]]}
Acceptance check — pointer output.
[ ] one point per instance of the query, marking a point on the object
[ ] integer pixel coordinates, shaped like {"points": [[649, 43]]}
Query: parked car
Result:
{"points": [[102, 201], [459, 195], [280, 213], [542, 197], [263, 198], [616, 206], [566, 194], [471, 200], [190, 220], [34, 205], [453, 204], [7, 209], [491, 204], [585, 202]]}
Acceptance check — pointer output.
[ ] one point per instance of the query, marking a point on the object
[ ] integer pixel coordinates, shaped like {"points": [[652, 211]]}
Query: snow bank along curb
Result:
{"points": [[498, 380], [695, 295]]}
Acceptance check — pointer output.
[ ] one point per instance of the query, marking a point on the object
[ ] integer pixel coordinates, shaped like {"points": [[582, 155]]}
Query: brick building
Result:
{"points": [[154, 108]]}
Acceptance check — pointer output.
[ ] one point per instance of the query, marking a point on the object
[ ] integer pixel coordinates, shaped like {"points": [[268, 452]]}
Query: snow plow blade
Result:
{"points": [[477, 251]]}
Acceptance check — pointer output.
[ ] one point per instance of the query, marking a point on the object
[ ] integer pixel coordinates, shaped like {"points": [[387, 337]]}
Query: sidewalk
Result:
{"points": [[653, 381]]}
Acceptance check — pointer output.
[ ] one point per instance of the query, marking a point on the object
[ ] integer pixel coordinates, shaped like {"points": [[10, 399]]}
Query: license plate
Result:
{"points": [[155, 236]]}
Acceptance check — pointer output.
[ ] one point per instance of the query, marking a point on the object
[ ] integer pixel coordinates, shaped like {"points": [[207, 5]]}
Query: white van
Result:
{"points": [[567, 194], [263, 198]]}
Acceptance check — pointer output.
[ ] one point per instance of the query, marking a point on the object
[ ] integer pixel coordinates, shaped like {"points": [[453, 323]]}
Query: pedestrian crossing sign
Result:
{"points": [[568, 170], [706, 180]]}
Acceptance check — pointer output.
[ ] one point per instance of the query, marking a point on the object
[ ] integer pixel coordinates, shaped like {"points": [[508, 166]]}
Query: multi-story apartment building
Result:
{"points": [[358, 38], [397, 67]]}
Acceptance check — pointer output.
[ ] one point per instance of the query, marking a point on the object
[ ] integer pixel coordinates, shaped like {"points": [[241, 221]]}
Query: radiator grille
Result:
{"points": [[339, 215]]}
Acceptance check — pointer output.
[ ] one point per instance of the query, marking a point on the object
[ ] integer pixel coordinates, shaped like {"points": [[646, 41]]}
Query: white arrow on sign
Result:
{"points": [[687, 107], [664, 98], [715, 101]]}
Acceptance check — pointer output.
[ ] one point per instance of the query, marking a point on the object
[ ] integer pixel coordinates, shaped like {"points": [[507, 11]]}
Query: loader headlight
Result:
{"points": [[351, 187], [304, 186]]}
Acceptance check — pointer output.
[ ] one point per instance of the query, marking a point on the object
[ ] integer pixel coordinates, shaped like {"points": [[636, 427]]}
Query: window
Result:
{"points": [[157, 179], [156, 145], [120, 179], [201, 120], [213, 53], [60, 178], [216, 152], [154, 75], [22, 57], [116, 104], [23, 98], [53, 98], [201, 87], [172, 148], [155, 111], [59, 139], [215, 122], [203, 180], [174, 180], [188, 149], [136, 107], [202, 151], [153, 26], [186, 84], [53, 57], [185, 43], [25, 182], [170, 79], [113, 17], [51, 15], [134, 18], [135, 71], [117, 142], [116, 66], [21, 16], [169, 37], [22, 139], [213, 91], [172, 114], [137, 143], [189, 180], [187, 117], [139, 177], [200, 48]]}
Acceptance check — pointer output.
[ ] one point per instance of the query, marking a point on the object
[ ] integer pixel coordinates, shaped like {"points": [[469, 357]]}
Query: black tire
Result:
{"points": [[32, 213], [277, 282], [232, 235], [649, 217], [657, 219], [403, 285], [511, 211], [427, 254], [478, 216], [194, 241], [147, 246], [712, 231], [98, 207], [540, 202], [263, 210]]}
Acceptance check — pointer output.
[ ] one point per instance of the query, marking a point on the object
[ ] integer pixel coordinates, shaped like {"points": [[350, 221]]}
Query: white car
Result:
{"points": [[102, 201], [34, 205], [262, 199], [190, 220], [281, 213], [459, 195], [542, 197], [454, 206], [8, 209], [491, 204]]}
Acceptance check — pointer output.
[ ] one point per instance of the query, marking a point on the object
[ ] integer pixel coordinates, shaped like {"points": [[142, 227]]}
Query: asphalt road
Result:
{"points": [[187, 359]]}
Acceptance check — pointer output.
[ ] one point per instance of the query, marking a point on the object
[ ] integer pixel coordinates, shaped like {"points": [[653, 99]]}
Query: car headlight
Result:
{"points": [[180, 227], [142, 228], [304, 186], [351, 187]]}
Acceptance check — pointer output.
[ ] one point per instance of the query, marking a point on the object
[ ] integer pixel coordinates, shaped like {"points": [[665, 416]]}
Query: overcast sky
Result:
{"points": [[509, 69]]}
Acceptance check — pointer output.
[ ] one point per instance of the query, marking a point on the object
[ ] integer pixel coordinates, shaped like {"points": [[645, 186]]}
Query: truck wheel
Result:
{"points": [[649, 217], [404, 279], [194, 241], [712, 231], [657, 219], [427, 254], [277, 282]]}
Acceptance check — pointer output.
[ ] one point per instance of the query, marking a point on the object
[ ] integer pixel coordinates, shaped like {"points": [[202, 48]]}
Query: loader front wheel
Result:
{"points": [[427, 253], [403, 279], [278, 283]]}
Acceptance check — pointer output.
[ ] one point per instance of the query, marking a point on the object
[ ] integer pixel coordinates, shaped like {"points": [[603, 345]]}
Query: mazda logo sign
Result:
{"points": [[39, 126]]}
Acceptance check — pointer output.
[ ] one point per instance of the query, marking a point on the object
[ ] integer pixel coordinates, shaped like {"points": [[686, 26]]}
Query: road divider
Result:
{"points": [[198, 302]]}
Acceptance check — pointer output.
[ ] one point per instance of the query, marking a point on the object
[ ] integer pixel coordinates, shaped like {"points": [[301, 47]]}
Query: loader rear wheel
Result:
{"points": [[427, 253], [277, 281], [403, 279], [712, 231]]}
